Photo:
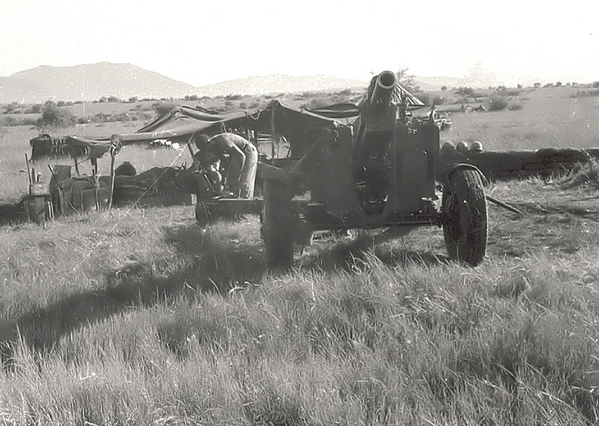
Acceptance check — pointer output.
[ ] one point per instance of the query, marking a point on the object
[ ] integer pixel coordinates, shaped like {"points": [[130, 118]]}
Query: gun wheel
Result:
{"points": [[465, 213], [277, 218]]}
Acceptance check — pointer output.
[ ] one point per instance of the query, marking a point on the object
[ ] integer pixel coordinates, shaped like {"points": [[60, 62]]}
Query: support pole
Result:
{"points": [[28, 173], [272, 130], [76, 166], [112, 155]]}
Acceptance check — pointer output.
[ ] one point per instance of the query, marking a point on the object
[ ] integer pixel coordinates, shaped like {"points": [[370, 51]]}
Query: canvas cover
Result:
{"points": [[45, 146]]}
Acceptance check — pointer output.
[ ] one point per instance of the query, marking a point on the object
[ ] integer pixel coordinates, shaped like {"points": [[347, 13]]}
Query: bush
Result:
{"points": [[514, 106], [424, 97], [595, 84], [438, 100], [52, 115], [464, 91], [29, 121], [163, 108], [496, 103], [11, 121]]}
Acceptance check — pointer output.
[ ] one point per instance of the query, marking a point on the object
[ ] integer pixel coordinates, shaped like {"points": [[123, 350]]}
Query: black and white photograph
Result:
{"points": [[299, 213]]}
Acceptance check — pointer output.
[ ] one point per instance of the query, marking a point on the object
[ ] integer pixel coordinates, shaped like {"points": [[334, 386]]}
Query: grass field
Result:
{"points": [[550, 118], [139, 316]]}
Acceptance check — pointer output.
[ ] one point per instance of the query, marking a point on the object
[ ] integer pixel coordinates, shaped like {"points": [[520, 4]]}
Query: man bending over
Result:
{"points": [[240, 157]]}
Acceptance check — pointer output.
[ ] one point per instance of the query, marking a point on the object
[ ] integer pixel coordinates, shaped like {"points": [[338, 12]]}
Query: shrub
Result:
{"points": [[29, 121], [123, 117], [113, 99], [424, 97], [595, 84], [438, 100], [11, 121], [163, 108], [496, 103], [443, 88], [464, 91], [52, 115], [514, 106]]}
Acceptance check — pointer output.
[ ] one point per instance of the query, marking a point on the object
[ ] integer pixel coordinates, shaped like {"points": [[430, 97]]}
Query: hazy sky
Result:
{"points": [[201, 42]]}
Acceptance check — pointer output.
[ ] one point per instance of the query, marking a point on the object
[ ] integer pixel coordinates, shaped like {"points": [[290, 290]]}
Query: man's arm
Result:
{"points": [[238, 154]]}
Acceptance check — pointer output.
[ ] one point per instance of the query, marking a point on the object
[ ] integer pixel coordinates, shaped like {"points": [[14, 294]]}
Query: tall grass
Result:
{"points": [[140, 316]]}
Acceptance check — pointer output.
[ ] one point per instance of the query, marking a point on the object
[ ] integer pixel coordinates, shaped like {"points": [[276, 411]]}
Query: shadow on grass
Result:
{"points": [[207, 261], [347, 253], [202, 265]]}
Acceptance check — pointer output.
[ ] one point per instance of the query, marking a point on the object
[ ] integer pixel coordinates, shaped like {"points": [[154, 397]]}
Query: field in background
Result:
{"points": [[139, 316], [549, 117]]}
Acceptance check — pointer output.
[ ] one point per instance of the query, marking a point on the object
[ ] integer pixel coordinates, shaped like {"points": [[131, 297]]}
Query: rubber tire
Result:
{"points": [[465, 216], [277, 218]]}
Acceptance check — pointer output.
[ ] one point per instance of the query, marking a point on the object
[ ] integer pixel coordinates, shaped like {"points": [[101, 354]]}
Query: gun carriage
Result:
{"points": [[381, 171]]}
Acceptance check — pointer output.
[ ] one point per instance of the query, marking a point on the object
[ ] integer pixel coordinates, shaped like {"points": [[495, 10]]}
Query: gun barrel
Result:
{"points": [[383, 88]]}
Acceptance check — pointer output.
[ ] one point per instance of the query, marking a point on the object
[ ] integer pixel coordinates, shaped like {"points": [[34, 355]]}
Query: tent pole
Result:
{"points": [[112, 155], [28, 173], [76, 166], [272, 131]]}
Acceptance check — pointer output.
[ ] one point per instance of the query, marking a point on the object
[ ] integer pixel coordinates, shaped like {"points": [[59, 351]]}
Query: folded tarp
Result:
{"points": [[45, 146]]}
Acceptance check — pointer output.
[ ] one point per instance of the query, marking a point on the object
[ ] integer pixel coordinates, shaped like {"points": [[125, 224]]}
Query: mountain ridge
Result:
{"points": [[88, 82]]}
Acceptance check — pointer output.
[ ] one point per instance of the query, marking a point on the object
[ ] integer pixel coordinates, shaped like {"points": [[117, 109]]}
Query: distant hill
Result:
{"points": [[92, 81], [279, 83], [89, 82]]}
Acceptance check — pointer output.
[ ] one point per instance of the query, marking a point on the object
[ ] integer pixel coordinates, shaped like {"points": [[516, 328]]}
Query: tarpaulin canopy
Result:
{"points": [[45, 146], [183, 122]]}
